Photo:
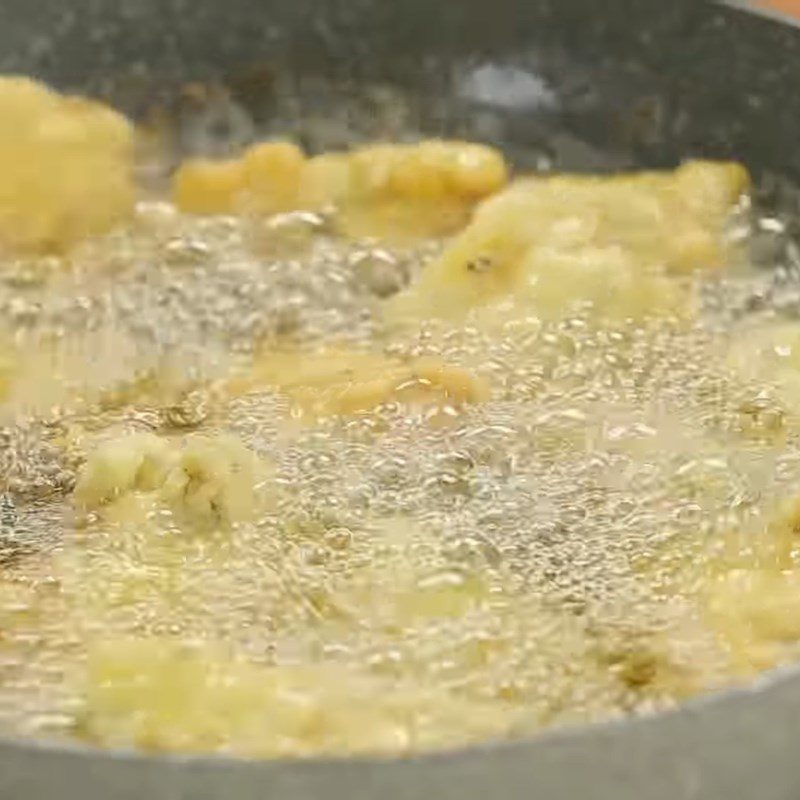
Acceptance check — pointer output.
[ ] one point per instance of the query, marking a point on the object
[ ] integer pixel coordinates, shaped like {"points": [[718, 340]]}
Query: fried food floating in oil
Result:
{"points": [[139, 462], [159, 695], [211, 481], [753, 590], [385, 191], [341, 382], [162, 694], [66, 166], [554, 242], [215, 482]]}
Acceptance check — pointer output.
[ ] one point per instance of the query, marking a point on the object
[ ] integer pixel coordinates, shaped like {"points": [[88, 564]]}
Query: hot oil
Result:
{"points": [[430, 576]]}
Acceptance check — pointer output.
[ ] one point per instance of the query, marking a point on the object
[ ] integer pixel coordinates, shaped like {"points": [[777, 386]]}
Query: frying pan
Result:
{"points": [[569, 84]]}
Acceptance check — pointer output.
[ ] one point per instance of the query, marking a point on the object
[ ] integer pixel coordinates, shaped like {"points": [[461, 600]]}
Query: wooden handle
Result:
{"points": [[788, 7]]}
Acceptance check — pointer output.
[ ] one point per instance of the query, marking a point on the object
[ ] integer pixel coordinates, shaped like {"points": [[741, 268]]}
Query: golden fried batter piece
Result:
{"points": [[338, 381], [158, 695], [66, 165], [555, 243], [211, 481], [385, 191], [753, 590]]}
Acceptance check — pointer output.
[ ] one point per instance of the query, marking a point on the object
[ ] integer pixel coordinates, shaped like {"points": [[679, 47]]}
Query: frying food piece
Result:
{"points": [[215, 482], [429, 189], [211, 482], [272, 175], [158, 695], [66, 164], [137, 463], [325, 181], [753, 592], [388, 191], [553, 243], [768, 602], [204, 186], [341, 382], [757, 612]]}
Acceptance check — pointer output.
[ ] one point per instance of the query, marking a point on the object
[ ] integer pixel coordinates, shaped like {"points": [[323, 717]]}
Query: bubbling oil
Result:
{"points": [[429, 577]]}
